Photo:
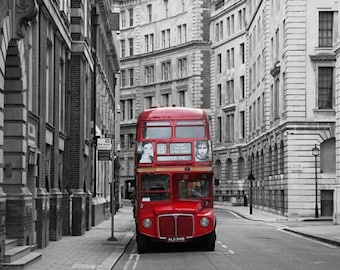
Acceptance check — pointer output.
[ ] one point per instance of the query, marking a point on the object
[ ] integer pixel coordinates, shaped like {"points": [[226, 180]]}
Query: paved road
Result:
{"points": [[241, 245]]}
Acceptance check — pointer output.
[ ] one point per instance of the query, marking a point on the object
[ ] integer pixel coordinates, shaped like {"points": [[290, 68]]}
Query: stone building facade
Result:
{"points": [[165, 61], [56, 56], [289, 107]]}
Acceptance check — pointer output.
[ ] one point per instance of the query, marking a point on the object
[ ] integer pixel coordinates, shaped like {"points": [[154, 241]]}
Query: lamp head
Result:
{"points": [[315, 151]]}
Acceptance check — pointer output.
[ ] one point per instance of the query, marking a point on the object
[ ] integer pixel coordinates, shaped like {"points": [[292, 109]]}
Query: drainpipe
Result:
{"points": [[94, 42]]}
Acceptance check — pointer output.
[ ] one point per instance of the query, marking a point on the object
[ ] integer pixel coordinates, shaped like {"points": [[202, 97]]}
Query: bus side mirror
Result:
{"points": [[217, 182]]}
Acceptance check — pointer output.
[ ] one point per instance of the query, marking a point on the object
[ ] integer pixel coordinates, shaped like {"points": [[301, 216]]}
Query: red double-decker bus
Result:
{"points": [[174, 178]]}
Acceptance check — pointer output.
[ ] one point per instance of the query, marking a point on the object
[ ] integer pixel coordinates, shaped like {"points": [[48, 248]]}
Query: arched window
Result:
{"points": [[270, 161], [282, 159], [275, 160], [241, 168], [229, 168], [262, 165], [218, 169], [327, 156], [257, 166]]}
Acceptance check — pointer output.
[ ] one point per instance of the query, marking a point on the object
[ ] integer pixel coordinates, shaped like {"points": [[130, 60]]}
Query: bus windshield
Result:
{"points": [[193, 189], [190, 129], [157, 130], [155, 187]]}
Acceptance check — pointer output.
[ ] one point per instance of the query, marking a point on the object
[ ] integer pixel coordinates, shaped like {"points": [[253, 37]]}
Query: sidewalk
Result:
{"points": [[91, 250], [321, 229]]}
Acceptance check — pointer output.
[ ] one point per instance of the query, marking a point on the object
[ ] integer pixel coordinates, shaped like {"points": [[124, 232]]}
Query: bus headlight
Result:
{"points": [[204, 222], [147, 223]]}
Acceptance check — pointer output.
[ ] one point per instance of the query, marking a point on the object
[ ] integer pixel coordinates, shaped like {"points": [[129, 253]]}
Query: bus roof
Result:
{"points": [[163, 113]]}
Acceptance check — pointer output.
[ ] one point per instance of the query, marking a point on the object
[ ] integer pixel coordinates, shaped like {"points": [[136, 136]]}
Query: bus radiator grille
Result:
{"points": [[176, 225]]}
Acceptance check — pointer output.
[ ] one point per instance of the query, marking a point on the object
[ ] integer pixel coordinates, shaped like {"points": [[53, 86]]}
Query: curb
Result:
{"points": [[110, 262], [314, 236]]}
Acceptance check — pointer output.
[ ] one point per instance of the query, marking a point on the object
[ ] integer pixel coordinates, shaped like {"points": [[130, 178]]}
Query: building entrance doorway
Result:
{"points": [[327, 202]]}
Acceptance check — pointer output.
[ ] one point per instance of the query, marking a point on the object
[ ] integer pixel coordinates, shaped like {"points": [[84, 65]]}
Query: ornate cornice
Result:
{"points": [[323, 57], [25, 11]]}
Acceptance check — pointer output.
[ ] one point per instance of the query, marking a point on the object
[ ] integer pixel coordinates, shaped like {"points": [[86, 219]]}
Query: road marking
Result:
{"points": [[225, 247], [133, 259]]}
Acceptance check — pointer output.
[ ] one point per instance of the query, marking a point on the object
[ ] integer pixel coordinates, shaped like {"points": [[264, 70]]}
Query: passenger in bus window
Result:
{"points": [[147, 153], [202, 151]]}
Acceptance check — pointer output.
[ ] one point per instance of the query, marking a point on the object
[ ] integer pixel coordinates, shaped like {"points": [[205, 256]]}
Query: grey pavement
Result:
{"points": [[93, 250]]}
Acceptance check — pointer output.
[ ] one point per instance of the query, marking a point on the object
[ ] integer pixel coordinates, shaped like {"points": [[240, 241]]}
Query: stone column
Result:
{"points": [[336, 211], [42, 224], [55, 214], [78, 212]]}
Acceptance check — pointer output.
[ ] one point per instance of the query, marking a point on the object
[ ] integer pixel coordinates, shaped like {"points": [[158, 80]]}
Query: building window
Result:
{"points": [[219, 63], [166, 8], [182, 33], [242, 125], [219, 95], [122, 48], [122, 141], [182, 68], [229, 127], [123, 78], [149, 43], [165, 38], [168, 37], [243, 88], [250, 119], [147, 102], [228, 59], [327, 156], [230, 91], [131, 141], [131, 16], [149, 74], [218, 129], [242, 54], [122, 19], [149, 12], [166, 71], [219, 31], [181, 98], [131, 81], [276, 104], [325, 87], [131, 46], [123, 110], [325, 28], [165, 99], [130, 109], [232, 25]]}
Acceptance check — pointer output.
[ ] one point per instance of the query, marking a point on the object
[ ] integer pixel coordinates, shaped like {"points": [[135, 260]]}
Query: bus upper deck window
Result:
{"points": [[157, 130], [190, 129]]}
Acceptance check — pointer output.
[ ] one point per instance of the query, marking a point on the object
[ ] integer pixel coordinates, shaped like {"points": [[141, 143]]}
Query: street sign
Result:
{"points": [[104, 144]]}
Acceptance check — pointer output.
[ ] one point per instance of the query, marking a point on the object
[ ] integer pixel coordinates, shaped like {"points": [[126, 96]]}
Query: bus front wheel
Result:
{"points": [[210, 241], [141, 243]]}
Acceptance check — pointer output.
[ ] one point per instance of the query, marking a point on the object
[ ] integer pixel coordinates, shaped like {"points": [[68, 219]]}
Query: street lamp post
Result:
{"points": [[315, 153], [251, 178]]}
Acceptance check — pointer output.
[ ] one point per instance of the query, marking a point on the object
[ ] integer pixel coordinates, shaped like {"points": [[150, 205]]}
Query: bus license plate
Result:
{"points": [[176, 239]]}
